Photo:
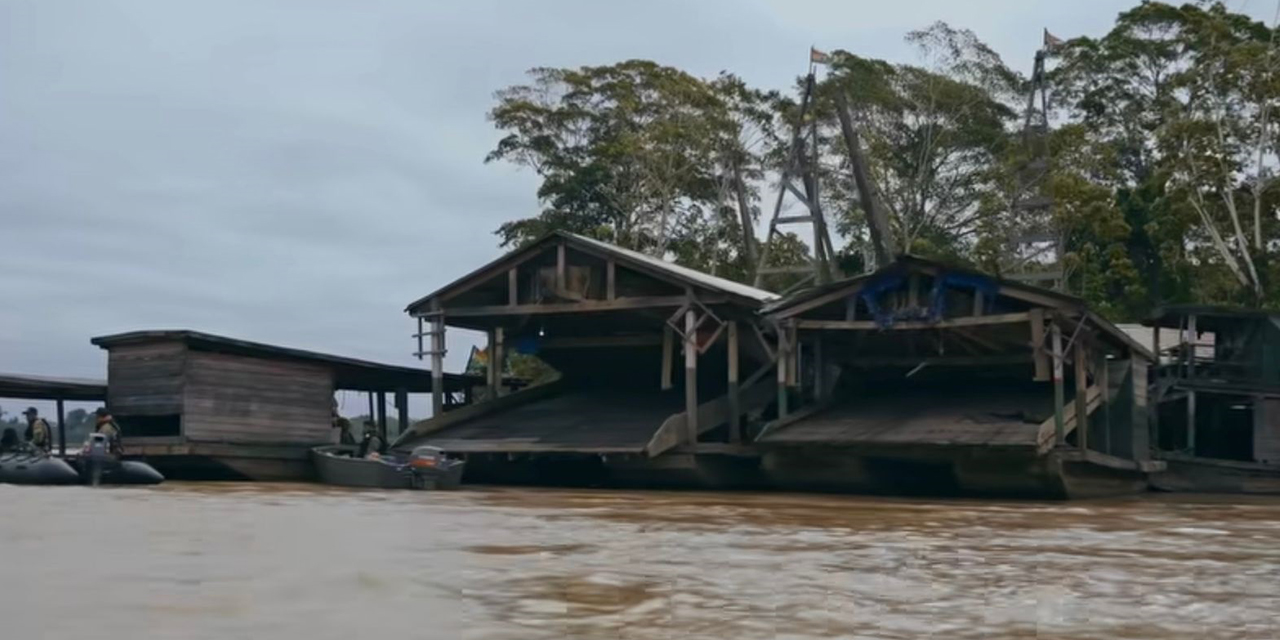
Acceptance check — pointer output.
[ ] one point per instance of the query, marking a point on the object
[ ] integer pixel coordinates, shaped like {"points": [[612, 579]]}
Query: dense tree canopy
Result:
{"points": [[1161, 157]]}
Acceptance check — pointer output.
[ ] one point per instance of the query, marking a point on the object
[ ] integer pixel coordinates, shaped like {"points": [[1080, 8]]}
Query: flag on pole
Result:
{"points": [[1051, 41], [818, 57]]}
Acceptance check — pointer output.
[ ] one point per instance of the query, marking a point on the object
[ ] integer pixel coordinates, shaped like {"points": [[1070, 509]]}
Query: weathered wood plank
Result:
{"points": [[868, 325], [586, 306]]}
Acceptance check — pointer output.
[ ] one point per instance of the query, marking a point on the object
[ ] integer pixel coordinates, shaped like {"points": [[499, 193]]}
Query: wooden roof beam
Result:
{"points": [[868, 325]]}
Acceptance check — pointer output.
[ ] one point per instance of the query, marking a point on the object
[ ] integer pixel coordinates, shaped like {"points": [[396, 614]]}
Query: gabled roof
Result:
{"points": [[1171, 315], [349, 373], [908, 262], [651, 265], [1042, 296]]}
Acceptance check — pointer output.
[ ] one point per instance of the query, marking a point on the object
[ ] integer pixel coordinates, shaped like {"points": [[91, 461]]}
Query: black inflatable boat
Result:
{"points": [[97, 465], [30, 466]]}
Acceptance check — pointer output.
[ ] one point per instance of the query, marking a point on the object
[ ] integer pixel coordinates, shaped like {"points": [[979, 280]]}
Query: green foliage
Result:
{"points": [[1162, 157]]}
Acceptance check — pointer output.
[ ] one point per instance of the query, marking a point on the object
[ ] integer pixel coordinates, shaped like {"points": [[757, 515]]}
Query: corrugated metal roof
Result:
{"points": [[13, 385], [350, 373], [707, 280], [635, 259], [1169, 339]]}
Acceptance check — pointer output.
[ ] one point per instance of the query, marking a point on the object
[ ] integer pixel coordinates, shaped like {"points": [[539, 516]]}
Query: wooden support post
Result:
{"points": [[1082, 398], [382, 415], [1189, 344], [490, 380], [437, 362], [373, 415], [419, 336], [913, 291], [819, 370], [1141, 419], [978, 302], [513, 287], [1103, 376], [560, 267], [402, 410], [498, 359], [735, 404], [62, 429], [1191, 421], [792, 355], [1037, 344], [1059, 423], [691, 376], [1155, 347], [611, 279], [782, 371], [668, 357], [851, 308]]}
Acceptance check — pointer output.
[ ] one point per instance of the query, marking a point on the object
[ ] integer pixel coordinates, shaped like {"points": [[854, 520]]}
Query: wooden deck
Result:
{"points": [[957, 417], [594, 421]]}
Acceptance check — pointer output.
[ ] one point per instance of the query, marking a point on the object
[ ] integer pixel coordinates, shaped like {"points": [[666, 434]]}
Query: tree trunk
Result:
{"points": [[744, 215], [868, 192]]}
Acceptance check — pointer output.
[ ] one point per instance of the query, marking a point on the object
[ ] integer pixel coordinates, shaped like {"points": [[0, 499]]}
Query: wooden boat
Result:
{"points": [[423, 468], [30, 466]]}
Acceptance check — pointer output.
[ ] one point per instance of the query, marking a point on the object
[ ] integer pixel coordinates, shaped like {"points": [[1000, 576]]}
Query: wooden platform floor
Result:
{"points": [[595, 421], [955, 417]]}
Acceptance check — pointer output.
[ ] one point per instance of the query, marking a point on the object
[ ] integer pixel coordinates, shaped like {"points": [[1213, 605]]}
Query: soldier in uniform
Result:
{"points": [[343, 426], [371, 443], [38, 433], [106, 425]]}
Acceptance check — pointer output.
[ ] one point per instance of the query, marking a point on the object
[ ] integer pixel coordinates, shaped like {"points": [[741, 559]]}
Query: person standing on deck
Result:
{"points": [[371, 443], [343, 426], [38, 433], [106, 425]]}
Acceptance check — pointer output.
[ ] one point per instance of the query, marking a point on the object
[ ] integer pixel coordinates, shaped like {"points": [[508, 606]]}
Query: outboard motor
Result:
{"points": [[96, 457], [426, 464]]}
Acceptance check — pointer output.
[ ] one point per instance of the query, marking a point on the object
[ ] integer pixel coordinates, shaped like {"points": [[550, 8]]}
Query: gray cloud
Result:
{"points": [[296, 172]]}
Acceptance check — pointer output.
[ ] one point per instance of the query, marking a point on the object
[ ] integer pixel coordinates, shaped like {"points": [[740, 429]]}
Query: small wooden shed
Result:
{"points": [[1218, 395], [199, 405]]}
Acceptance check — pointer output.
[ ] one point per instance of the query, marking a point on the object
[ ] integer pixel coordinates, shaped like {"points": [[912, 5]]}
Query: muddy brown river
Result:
{"points": [[295, 561]]}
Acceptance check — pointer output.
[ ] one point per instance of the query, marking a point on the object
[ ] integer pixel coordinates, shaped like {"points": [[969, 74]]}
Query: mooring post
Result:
{"points": [[735, 420], [691, 375], [62, 430], [1082, 393], [1059, 422]]}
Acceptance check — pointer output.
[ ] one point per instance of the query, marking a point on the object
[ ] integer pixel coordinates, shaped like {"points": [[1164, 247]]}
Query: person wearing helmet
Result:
{"points": [[38, 433], [105, 424]]}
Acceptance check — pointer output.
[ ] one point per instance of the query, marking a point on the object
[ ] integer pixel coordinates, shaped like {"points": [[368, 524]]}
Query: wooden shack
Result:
{"points": [[928, 378], [202, 406], [1218, 394], [659, 366]]}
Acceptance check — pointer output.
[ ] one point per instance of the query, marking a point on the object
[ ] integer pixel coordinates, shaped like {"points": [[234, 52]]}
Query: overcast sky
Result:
{"points": [[297, 172]]}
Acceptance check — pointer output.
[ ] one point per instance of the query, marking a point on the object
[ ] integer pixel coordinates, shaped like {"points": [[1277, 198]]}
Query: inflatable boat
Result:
{"points": [[31, 466]]}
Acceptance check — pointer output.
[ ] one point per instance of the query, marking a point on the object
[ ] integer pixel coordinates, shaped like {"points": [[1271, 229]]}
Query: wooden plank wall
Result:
{"points": [[146, 379], [242, 400], [1266, 430]]}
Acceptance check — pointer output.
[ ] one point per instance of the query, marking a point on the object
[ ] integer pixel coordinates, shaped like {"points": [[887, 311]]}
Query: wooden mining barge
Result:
{"points": [[918, 378]]}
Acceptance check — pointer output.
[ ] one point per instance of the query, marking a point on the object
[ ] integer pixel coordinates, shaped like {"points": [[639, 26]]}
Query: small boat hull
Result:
{"points": [[23, 467], [337, 465], [117, 472]]}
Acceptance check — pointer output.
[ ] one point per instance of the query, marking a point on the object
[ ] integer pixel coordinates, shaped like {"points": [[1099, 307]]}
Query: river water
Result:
{"points": [[227, 561]]}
